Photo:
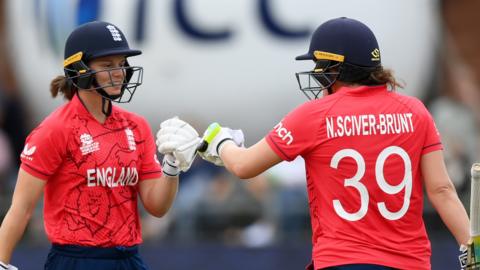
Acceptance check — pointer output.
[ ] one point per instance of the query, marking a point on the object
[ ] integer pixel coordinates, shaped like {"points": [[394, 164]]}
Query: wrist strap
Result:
{"points": [[3, 265], [169, 166], [221, 143]]}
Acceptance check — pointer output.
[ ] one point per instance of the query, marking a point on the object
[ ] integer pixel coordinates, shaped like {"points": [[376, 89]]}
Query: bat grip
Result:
{"points": [[202, 147]]}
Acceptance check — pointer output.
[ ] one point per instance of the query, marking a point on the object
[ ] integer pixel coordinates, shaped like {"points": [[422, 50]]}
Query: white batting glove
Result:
{"points": [[213, 140], [178, 138], [170, 165], [4, 266], [469, 257]]}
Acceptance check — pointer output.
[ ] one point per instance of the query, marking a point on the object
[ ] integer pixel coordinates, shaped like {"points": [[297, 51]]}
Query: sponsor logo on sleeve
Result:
{"points": [[283, 133], [28, 152]]}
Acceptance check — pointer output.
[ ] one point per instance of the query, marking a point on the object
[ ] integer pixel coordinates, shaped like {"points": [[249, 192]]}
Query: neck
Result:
{"points": [[93, 103], [338, 84]]}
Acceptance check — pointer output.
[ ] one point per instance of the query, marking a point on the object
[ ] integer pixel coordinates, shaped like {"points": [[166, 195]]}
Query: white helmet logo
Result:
{"points": [[115, 33]]}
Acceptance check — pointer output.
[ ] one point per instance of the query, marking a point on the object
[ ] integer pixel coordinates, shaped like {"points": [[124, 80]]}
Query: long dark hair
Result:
{"points": [[368, 76], [60, 85], [383, 76]]}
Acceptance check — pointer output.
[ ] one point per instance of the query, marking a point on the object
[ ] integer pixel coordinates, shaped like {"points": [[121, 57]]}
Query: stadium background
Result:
{"points": [[232, 62]]}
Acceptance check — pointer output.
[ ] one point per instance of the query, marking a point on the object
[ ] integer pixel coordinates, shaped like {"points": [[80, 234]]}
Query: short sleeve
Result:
{"points": [[150, 166], [43, 152], [432, 136], [295, 134]]}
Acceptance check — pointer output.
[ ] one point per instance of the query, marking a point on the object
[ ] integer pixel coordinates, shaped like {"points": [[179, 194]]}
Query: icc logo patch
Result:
{"points": [[88, 145]]}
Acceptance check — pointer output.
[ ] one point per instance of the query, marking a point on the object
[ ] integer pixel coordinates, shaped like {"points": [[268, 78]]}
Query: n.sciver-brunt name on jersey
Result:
{"points": [[368, 124]]}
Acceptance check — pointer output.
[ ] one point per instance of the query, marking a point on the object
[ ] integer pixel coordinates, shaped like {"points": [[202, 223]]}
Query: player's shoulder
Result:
{"points": [[58, 119], [318, 106], [130, 117], [412, 102], [123, 113]]}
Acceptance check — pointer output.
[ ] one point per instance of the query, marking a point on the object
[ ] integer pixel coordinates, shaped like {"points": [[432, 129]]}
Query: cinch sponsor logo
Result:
{"points": [[27, 153], [112, 177], [283, 133]]}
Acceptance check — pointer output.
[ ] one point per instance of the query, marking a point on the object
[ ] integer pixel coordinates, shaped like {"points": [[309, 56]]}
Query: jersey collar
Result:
{"points": [[362, 90], [78, 105]]}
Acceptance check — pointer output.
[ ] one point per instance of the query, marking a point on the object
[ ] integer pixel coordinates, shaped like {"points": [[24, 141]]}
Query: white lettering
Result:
{"points": [[368, 124], [330, 132], [90, 177], [107, 177], [283, 133], [346, 121]]}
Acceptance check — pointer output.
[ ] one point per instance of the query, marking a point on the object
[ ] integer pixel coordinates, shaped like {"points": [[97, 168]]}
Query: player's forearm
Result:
{"points": [[239, 161], [11, 231], [160, 195], [452, 212]]}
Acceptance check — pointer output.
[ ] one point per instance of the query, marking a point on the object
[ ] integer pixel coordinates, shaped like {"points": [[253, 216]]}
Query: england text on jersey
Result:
{"points": [[110, 177], [369, 124]]}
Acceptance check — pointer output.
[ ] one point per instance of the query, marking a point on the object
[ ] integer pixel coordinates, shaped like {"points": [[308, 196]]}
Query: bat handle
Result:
{"points": [[202, 147], [212, 131]]}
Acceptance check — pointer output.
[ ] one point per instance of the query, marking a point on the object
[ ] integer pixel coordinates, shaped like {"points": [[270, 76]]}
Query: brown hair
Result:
{"points": [[382, 76], [60, 84]]}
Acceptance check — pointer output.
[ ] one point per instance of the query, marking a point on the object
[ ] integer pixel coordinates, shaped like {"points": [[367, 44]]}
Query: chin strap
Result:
{"points": [[108, 110], [330, 90], [106, 99]]}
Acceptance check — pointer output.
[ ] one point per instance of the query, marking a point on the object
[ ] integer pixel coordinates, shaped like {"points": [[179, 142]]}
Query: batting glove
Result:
{"points": [[4, 266], [180, 140], [213, 140], [469, 257]]}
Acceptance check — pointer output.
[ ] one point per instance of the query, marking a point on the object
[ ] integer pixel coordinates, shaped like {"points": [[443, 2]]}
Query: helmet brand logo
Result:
{"points": [[115, 33], [376, 55]]}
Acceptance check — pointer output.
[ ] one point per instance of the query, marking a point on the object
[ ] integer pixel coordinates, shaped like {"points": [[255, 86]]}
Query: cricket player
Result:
{"points": [[93, 161], [369, 152]]}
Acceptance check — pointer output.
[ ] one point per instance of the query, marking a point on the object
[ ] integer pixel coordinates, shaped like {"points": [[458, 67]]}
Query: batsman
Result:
{"points": [[369, 153]]}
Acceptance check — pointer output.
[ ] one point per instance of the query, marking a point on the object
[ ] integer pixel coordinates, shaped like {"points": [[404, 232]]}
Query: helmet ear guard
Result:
{"points": [[80, 75]]}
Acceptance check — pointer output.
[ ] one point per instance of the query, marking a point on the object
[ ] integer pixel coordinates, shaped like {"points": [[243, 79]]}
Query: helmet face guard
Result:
{"points": [[322, 77], [82, 77]]}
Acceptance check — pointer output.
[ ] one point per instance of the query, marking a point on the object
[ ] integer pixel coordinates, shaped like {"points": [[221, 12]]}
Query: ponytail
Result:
{"points": [[60, 84]]}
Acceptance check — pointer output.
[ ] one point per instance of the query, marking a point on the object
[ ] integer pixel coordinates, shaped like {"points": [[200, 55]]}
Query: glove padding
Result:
{"points": [[178, 138], [215, 136], [469, 256]]}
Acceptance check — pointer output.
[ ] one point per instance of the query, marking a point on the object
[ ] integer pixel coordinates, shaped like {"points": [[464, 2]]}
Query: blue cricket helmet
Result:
{"points": [[344, 40], [98, 39], [343, 49]]}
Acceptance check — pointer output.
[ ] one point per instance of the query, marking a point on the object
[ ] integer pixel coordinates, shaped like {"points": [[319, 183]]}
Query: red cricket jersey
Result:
{"points": [[92, 172], [362, 149]]}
